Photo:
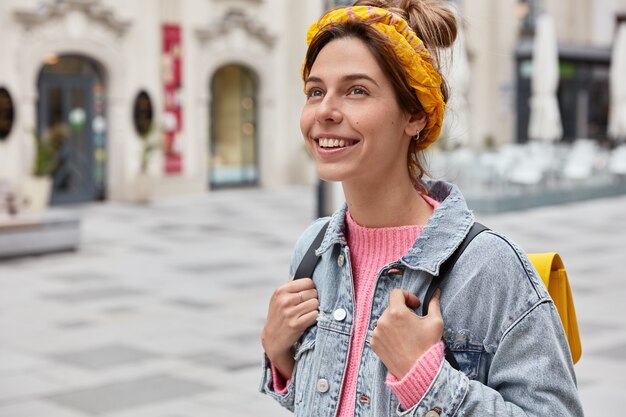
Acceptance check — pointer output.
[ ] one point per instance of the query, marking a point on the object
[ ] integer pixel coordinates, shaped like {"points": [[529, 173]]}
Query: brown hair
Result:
{"points": [[434, 24]]}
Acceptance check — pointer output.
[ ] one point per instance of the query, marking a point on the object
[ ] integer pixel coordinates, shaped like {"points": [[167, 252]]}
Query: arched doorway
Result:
{"points": [[71, 114], [233, 137]]}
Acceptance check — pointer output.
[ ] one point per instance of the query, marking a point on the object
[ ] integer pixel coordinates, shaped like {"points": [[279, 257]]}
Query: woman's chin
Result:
{"points": [[330, 175]]}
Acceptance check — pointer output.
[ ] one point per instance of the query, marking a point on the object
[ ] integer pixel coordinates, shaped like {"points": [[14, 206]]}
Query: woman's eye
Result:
{"points": [[314, 92], [358, 91]]}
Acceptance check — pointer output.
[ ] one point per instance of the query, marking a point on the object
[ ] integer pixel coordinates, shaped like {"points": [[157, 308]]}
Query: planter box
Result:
{"points": [[144, 188], [37, 191], [39, 234]]}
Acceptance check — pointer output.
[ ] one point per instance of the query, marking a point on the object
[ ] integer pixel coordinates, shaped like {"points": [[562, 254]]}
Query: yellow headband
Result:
{"points": [[416, 59]]}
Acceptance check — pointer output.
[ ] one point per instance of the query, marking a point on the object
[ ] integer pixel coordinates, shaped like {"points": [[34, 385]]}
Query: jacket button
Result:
{"points": [[432, 413], [341, 260], [339, 314], [322, 385]]}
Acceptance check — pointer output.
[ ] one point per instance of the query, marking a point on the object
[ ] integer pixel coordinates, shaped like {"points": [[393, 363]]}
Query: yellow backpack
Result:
{"points": [[554, 276]]}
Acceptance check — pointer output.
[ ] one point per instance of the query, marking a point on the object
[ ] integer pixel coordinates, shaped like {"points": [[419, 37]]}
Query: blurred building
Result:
{"points": [[194, 95], [499, 39], [197, 94]]}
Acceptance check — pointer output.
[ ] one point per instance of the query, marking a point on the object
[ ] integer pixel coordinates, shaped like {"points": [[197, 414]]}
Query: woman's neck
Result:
{"points": [[386, 204]]}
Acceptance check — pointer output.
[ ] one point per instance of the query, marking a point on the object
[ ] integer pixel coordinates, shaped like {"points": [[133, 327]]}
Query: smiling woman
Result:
{"points": [[350, 121], [353, 339]]}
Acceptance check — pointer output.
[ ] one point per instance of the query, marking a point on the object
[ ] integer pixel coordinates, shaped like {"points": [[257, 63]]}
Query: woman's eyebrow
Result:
{"points": [[354, 77], [313, 80], [349, 77]]}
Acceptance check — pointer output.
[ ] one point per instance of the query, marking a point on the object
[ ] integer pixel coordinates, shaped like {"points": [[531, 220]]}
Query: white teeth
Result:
{"points": [[332, 143]]}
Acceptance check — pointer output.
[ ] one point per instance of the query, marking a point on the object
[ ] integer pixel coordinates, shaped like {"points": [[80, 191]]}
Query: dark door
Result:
{"points": [[66, 104]]}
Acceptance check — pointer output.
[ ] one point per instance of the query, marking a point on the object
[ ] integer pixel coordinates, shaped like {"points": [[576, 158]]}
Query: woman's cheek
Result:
{"points": [[305, 122]]}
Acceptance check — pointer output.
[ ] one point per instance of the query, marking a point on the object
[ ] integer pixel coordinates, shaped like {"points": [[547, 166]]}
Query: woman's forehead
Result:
{"points": [[344, 57]]}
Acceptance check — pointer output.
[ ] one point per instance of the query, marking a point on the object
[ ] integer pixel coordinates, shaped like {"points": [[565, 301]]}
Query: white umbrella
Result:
{"points": [[457, 72], [545, 119], [617, 83]]}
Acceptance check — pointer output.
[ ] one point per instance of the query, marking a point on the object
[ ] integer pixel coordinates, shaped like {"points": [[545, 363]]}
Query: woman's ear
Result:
{"points": [[416, 123]]}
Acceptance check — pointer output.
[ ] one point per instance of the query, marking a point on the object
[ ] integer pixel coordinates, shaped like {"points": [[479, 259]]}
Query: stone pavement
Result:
{"points": [[158, 314]]}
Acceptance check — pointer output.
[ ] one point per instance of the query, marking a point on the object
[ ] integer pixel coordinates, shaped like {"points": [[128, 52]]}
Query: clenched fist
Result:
{"points": [[401, 336], [293, 307]]}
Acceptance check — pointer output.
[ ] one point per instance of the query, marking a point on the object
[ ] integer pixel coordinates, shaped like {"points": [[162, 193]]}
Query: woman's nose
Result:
{"points": [[328, 110]]}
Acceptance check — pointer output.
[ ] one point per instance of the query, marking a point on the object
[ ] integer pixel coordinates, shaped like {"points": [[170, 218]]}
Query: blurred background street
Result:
{"points": [[158, 313], [161, 141]]}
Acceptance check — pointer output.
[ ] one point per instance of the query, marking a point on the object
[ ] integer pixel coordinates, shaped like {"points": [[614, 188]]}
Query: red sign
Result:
{"points": [[172, 74]]}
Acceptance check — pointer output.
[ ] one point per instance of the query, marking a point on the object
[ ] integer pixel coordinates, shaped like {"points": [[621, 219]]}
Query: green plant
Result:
{"points": [[46, 147], [149, 145], [489, 142]]}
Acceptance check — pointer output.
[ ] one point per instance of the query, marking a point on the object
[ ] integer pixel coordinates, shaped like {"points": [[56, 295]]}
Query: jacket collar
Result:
{"points": [[335, 232], [443, 233]]}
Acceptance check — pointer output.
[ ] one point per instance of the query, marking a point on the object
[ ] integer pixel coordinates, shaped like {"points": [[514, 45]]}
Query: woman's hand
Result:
{"points": [[401, 336], [293, 308]]}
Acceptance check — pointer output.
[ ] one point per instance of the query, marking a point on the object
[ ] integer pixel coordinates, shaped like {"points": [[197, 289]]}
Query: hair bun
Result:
{"points": [[433, 21]]}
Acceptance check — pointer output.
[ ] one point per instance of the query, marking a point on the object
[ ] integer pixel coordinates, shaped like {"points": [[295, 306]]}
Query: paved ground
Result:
{"points": [[158, 314]]}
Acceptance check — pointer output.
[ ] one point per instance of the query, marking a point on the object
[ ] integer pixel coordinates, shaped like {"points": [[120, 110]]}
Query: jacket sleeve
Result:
{"points": [[286, 399], [526, 369]]}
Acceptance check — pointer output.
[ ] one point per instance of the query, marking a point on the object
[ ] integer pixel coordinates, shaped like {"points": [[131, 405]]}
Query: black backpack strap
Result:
{"points": [[309, 261], [444, 270], [447, 266]]}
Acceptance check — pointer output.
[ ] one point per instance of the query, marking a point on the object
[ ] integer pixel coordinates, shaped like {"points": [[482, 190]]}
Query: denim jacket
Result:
{"points": [[500, 324]]}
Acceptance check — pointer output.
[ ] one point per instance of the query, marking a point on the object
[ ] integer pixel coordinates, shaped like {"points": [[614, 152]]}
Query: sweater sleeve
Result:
{"points": [[412, 387], [279, 381]]}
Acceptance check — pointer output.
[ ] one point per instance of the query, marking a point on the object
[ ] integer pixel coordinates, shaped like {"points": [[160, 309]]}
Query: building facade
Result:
{"points": [[499, 42], [196, 95]]}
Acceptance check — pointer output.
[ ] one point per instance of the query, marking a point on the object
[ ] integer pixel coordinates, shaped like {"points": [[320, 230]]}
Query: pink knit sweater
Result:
{"points": [[370, 250]]}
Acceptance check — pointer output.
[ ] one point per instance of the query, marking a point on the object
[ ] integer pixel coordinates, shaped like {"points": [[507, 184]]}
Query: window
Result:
{"points": [[143, 114], [233, 143], [6, 113]]}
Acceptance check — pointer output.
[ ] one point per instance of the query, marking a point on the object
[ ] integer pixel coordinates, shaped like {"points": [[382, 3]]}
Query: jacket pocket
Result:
{"points": [[468, 360], [306, 342], [466, 350]]}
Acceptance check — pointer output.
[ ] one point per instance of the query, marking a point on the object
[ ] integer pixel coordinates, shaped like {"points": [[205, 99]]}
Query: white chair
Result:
{"points": [[579, 164], [533, 164], [617, 160], [527, 173]]}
